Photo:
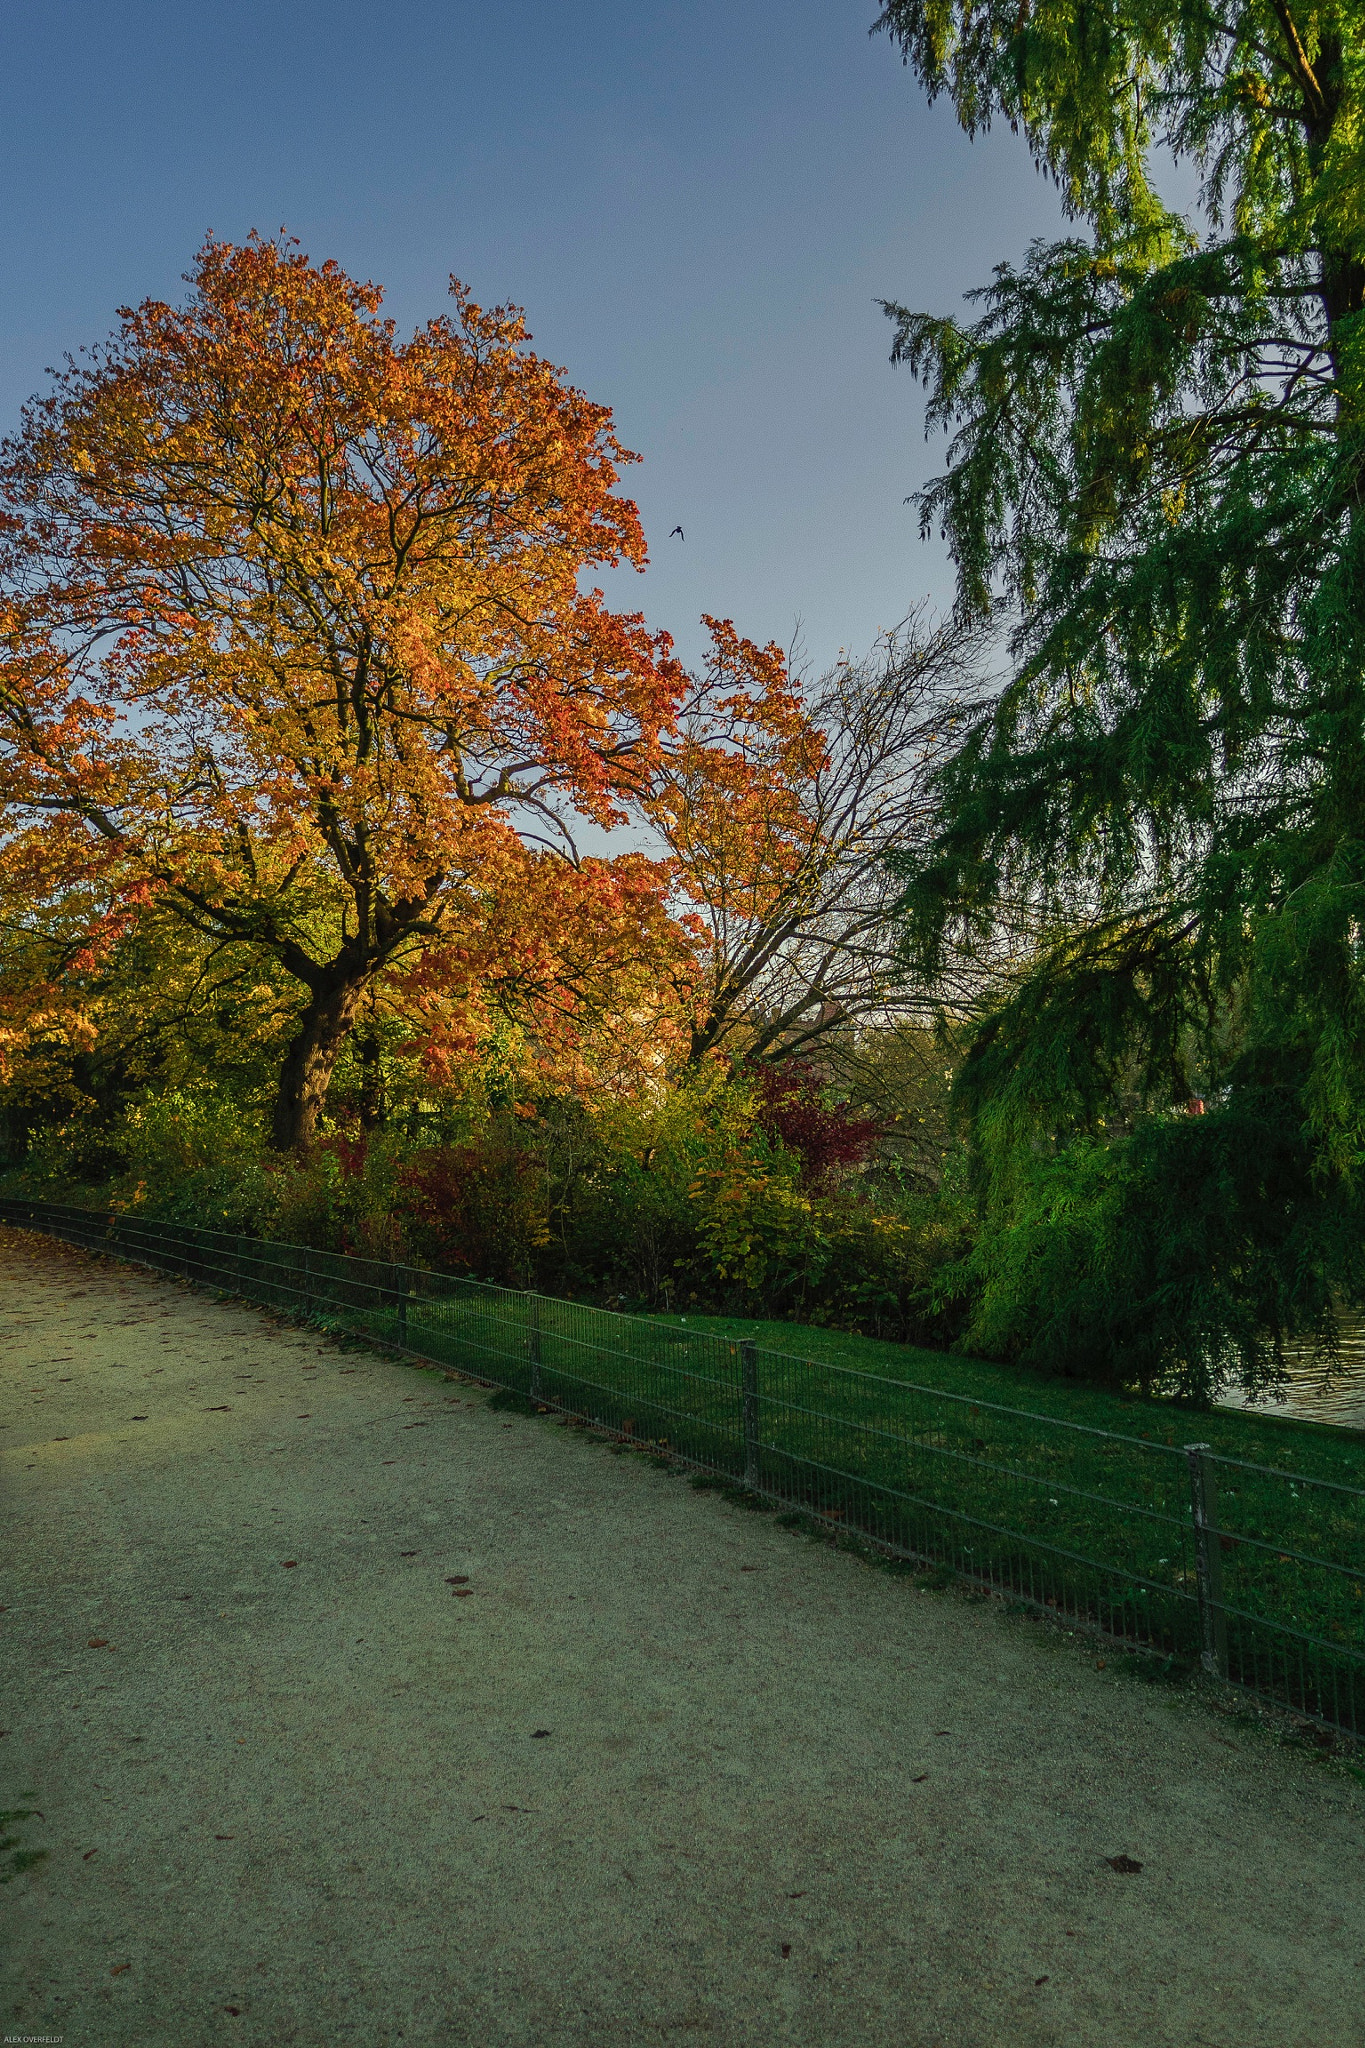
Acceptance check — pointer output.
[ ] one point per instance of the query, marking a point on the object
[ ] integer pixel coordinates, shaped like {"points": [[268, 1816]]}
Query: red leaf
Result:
{"points": [[98, 1643], [290, 1564], [1123, 1864]]}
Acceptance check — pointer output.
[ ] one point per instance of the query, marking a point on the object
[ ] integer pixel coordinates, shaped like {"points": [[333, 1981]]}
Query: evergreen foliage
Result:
{"points": [[1156, 465]]}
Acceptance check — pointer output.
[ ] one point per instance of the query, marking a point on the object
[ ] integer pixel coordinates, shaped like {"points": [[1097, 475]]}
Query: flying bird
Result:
{"points": [[679, 532]]}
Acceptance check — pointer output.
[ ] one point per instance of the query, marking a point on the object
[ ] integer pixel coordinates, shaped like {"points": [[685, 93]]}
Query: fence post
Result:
{"points": [[748, 1371], [1208, 1561], [400, 1297], [533, 1340]]}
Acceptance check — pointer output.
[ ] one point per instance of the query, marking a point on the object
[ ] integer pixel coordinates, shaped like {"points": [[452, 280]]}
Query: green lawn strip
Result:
{"points": [[1319, 1450]]}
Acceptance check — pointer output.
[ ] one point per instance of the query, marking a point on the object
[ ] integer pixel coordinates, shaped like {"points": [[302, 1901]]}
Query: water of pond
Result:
{"points": [[1312, 1394]]}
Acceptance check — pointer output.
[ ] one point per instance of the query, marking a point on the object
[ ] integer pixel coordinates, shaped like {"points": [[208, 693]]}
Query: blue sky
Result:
{"points": [[697, 204]]}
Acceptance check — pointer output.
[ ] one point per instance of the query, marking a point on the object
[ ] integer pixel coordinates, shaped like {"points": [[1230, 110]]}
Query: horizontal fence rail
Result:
{"points": [[1176, 1549]]}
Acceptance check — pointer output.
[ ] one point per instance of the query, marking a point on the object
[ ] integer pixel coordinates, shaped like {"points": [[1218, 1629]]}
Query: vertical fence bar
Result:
{"points": [[533, 1341], [398, 1286], [1208, 1561], [748, 1374]]}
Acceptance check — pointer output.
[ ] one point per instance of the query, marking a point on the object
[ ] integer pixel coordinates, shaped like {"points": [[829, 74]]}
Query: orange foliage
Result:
{"points": [[730, 800], [292, 636]]}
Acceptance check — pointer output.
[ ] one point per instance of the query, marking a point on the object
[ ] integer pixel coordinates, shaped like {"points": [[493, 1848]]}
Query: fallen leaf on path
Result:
{"points": [[221, 1409], [796, 1895], [225, 1838], [920, 1779], [786, 1948], [139, 1418], [289, 1564], [1123, 1864], [98, 1643], [88, 1854], [407, 1553], [463, 1593], [235, 2010], [119, 1968], [1040, 1980], [537, 1733], [461, 1579]]}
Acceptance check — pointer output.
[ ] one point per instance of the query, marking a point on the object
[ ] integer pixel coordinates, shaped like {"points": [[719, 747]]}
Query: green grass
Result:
{"points": [[1318, 1450]]}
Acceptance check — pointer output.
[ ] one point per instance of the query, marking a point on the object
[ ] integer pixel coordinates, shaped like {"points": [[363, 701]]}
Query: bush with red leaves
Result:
{"points": [[477, 1207], [794, 1108]]}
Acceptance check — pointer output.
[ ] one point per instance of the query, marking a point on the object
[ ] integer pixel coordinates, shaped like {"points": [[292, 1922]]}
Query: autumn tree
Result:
{"points": [[1157, 466], [780, 807], [294, 643]]}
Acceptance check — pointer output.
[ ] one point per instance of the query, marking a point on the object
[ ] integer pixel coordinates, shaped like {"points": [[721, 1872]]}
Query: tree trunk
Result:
{"points": [[373, 1103], [308, 1064]]}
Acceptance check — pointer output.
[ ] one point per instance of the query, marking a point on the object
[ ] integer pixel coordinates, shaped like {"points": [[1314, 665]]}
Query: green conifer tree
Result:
{"points": [[1157, 468]]}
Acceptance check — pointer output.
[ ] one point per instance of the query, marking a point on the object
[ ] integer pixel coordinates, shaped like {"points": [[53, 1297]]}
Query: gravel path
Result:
{"points": [[664, 1773]]}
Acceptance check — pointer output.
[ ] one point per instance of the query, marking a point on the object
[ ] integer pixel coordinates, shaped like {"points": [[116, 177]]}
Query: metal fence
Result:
{"points": [[1254, 1571]]}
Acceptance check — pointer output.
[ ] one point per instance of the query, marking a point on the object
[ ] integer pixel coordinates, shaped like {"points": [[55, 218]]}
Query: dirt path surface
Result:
{"points": [[665, 1773]]}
